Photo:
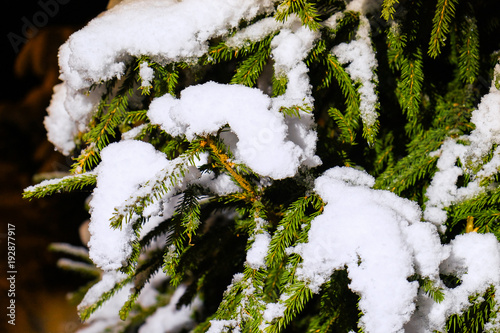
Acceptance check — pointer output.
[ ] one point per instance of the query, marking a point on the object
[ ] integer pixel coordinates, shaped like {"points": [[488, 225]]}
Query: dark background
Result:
{"points": [[41, 287]]}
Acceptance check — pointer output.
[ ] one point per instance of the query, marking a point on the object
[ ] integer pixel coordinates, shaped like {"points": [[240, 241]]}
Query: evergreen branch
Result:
{"points": [[388, 9], [155, 188], [224, 161], [75, 251], [482, 309], [272, 283], [317, 53], [65, 184], [335, 69], [130, 265], [350, 20], [221, 53], [287, 231], [347, 126], [481, 214], [298, 295], [145, 90], [173, 254], [88, 158], [294, 111], [412, 77], [415, 166], [396, 42], [469, 51], [142, 277], [109, 122], [305, 10], [86, 312], [250, 69], [429, 287], [136, 116], [185, 221], [165, 80], [348, 122], [104, 125], [81, 268], [190, 208], [279, 85], [450, 120], [370, 132], [445, 12], [384, 150], [165, 77]]}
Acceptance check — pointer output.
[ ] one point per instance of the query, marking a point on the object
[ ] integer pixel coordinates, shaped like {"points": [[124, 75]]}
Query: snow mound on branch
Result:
{"points": [[61, 129], [125, 166], [375, 234], [166, 30], [477, 271], [289, 48], [262, 134], [169, 30], [379, 237], [443, 191], [360, 57]]}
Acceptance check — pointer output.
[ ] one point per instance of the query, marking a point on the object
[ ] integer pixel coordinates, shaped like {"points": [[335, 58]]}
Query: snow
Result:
{"points": [[477, 272], [217, 326], [170, 319], [363, 6], [125, 166], [108, 311], [256, 255], [221, 184], [273, 310], [443, 191], [147, 75], [370, 241], [381, 240], [167, 30], [254, 33], [61, 128], [203, 109], [289, 48], [360, 57]]}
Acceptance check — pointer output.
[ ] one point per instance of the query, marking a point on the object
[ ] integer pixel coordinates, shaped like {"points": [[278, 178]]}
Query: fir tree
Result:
{"points": [[284, 166]]}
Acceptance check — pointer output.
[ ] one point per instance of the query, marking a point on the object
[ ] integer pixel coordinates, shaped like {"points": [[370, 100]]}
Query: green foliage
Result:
{"points": [[445, 12], [469, 51], [388, 9], [304, 9], [65, 184], [476, 316]]}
